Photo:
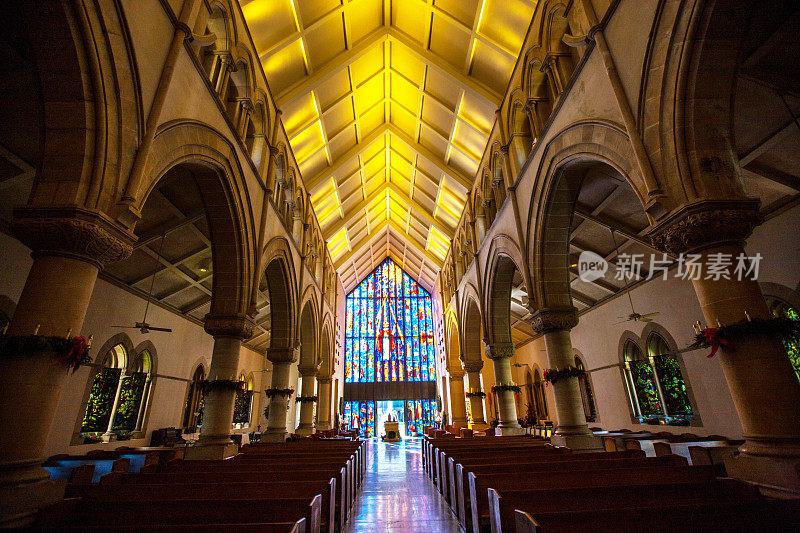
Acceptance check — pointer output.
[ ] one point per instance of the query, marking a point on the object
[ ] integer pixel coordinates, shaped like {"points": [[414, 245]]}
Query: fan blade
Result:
{"points": [[126, 327], [151, 328], [652, 314], [644, 319]]}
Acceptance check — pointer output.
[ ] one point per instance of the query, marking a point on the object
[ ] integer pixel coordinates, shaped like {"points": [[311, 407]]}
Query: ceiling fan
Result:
{"points": [[633, 316], [143, 326]]}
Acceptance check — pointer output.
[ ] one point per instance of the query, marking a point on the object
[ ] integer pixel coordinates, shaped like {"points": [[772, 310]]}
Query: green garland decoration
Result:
{"points": [[503, 388], [269, 393], [724, 336], [225, 384], [307, 399], [553, 375], [475, 394], [70, 352]]}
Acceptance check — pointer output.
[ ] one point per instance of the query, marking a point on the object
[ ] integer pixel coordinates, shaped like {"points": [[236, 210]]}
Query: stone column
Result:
{"points": [[458, 404], [215, 441], [572, 430], [282, 360], [69, 247], [309, 375], [500, 354], [473, 369], [763, 385], [324, 405]]}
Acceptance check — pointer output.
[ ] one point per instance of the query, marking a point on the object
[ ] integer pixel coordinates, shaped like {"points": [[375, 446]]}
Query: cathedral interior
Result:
{"points": [[293, 251]]}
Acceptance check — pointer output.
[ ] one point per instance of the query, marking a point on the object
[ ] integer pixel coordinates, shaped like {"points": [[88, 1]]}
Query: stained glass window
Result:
{"points": [[780, 308], [243, 403], [361, 416], [587, 396], [389, 329], [673, 387], [657, 390], [642, 381], [118, 399]]}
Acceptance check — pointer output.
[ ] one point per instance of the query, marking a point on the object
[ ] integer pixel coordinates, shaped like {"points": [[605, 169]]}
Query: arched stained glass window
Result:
{"points": [[642, 382], [780, 308], [104, 391], [389, 339], [389, 329], [673, 387], [132, 395]]}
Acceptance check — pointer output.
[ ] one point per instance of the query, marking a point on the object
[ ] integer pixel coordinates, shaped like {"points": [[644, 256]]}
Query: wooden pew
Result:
{"points": [[708, 518], [165, 513], [511, 453], [613, 471], [267, 527], [635, 493], [461, 469], [338, 495], [198, 491]]}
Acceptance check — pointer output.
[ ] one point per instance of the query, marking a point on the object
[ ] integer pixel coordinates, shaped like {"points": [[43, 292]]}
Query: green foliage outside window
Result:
{"points": [[130, 400], [241, 407], [101, 400]]}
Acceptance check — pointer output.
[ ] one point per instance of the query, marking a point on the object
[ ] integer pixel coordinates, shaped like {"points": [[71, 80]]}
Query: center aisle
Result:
{"points": [[397, 495]]}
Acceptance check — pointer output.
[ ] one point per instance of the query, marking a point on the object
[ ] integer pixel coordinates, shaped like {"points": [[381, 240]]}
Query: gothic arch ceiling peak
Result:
{"points": [[388, 105]]}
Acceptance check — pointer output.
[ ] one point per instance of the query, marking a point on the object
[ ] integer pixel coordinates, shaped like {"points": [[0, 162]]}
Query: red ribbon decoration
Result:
{"points": [[74, 357], [713, 338]]}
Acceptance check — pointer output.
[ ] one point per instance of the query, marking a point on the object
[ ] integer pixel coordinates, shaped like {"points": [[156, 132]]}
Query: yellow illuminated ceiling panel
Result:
{"points": [[388, 105]]}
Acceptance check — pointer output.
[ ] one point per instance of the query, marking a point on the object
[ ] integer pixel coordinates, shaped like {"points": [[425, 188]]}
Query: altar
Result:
{"points": [[392, 430]]}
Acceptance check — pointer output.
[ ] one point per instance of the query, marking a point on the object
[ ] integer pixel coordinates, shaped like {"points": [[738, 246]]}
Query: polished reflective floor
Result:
{"points": [[397, 495]]}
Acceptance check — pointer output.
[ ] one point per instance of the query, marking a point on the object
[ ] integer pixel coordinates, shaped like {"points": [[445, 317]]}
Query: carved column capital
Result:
{"points": [[500, 350], [236, 326], [72, 232], [456, 375], [706, 224], [283, 355], [308, 371], [472, 366], [551, 319], [324, 380]]}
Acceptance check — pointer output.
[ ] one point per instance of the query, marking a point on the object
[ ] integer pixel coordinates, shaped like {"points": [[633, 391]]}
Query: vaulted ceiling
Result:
{"points": [[388, 105]]}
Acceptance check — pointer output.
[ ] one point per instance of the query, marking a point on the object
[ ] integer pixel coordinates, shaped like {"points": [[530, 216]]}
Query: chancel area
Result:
{"points": [[430, 265]]}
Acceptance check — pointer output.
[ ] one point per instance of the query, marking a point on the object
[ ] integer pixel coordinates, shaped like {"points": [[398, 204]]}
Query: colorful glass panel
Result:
{"points": [[389, 334]]}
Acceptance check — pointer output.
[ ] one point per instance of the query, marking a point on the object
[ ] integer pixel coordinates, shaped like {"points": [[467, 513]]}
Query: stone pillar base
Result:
{"points": [[460, 422], [304, 430], [510, 429], [478, 425], [219, 450], [323, 426], [775, 476], [578, 443], [23, 492], [279, 436]]}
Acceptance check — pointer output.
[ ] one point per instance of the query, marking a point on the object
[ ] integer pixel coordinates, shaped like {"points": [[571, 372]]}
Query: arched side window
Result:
{"points": [[243, 403], [104, 394], [587, 395], [780, 308], [118, 397], [540, 401], [670, 378], [192, 415], [657, 391], [641, 382], [133, 395]]}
